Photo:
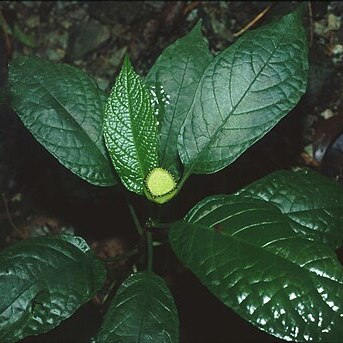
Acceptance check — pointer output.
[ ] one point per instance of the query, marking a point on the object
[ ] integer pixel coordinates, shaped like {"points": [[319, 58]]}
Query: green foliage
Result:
{"points": [[130, 129], [243, 93], [143, 310], [63, 109], [267, 251], [212, 113], [312, 204], [43, 281], [220, 106], [279, 276], [178, 70]]}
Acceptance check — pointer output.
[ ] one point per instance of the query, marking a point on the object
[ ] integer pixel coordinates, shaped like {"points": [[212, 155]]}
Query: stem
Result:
{"points": [[109, 292], [153, 209], [158, 225], [186, 174], [135, 218], [9, 216], [150, 250]]}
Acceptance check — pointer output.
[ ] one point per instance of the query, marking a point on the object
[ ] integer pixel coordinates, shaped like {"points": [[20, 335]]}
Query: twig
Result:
{"points": [[253, 22], [150, 250], [9, 215], [189, 8]]}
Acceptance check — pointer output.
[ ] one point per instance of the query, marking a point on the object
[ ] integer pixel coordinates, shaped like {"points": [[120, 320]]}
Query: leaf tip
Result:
{"points": [[197, 28], [126, 61], [198, 24], [300, 10]]}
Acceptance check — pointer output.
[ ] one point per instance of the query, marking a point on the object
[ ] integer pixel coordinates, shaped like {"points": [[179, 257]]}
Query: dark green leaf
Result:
{"points": [[43, 281], [63, 109], [178, 70], [130, 129], [312, 203], [243, 93], [246, 252], [143, 310]]}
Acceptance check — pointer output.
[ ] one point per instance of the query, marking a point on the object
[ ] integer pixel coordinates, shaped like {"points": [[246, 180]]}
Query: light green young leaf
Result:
{"points": [[178, 70], [243, 93], [63, 109], [247, 252], [142, 311], [130, 129], [43, 281]]}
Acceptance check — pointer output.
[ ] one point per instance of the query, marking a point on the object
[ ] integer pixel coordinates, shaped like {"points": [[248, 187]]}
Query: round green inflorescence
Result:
{"points": [[160, 185]]}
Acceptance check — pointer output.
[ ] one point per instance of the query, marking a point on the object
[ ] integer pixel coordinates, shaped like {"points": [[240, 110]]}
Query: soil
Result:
{"points": [[39, 196]]}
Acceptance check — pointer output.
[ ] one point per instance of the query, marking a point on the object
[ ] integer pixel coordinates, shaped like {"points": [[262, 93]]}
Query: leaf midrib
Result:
{"points": [[147, 300], [309, 272], [244, 242], [260, 196], [129, 105], [45, 276], [68, 115], [188, 169], [287, 213]]}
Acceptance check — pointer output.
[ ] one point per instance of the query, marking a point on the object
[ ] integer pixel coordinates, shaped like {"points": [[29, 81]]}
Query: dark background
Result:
{"points": [[39, 196]]}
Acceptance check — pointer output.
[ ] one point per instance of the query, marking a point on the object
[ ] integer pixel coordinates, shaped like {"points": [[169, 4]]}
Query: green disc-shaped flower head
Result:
{"points": [[160, 185]]}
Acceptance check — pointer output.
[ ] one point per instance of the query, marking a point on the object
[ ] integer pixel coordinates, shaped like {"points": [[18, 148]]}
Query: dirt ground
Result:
{"points": [[38, 196]]}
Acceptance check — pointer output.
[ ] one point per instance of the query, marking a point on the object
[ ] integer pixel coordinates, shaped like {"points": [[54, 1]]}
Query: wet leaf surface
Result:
{"points": [[44, 281], [245, 249]]}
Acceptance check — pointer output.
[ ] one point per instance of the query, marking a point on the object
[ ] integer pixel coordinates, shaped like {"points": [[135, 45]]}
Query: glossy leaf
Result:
{"points": [[312, 203], [243, 93], [178, 70], [43, 281], [247, 253], [143, 310], [130, 129], [63, 109]]}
